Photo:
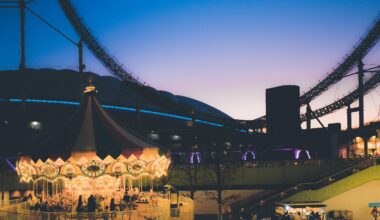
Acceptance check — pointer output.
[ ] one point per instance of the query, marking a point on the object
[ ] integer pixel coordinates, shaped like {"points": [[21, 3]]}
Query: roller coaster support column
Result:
{"points": [[349, 128], [308, 117], [361, 93], [361, 102], [80, 56], [349, 119], [81, 65], [22, 34]]}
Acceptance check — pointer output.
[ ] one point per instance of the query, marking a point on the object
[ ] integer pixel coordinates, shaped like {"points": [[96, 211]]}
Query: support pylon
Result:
{"points": [[349, 119], [308, 117], [361, 93]]}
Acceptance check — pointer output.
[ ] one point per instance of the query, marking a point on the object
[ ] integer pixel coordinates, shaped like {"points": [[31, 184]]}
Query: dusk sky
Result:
{"points": [[223, 53]]}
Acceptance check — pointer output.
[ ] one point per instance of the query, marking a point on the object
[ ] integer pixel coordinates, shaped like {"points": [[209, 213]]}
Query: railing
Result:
{"points": [[16, 209], [280, 195], [22, 211], [266, 163]]}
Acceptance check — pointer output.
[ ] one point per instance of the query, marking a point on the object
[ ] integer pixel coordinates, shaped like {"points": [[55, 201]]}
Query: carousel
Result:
{"points": [[94, 156], [91, 175]]}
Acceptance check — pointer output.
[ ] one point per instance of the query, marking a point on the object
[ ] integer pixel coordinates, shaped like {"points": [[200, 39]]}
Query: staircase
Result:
{"points": [[264, 200]]}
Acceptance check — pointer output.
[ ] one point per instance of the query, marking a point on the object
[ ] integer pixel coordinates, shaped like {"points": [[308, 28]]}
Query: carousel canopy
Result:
{"points": [[91, 129]]}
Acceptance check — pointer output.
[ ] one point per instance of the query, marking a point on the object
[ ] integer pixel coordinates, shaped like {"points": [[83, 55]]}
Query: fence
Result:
{"points": [[17, 210], [21, 211]]}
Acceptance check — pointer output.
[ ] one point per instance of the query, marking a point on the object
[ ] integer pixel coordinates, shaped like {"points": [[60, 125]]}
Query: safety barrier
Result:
{"points": [[23, 211]]}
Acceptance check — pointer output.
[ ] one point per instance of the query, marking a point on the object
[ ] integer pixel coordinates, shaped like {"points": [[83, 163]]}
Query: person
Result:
{"points": [[126, 198], [112, 205], [44, 207], [37, 206], [80, 204], [317, 216], [102, 204], [297, 216], [311, 216], [375, 213], [91, 203], [134, 198], [105, 213]]}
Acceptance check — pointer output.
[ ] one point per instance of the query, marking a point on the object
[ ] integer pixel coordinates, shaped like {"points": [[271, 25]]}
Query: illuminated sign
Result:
{"points": [[374, 204]]}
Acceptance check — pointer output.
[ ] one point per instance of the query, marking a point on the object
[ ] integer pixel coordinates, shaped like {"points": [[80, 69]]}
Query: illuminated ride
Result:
{"points": [[134, 166]]}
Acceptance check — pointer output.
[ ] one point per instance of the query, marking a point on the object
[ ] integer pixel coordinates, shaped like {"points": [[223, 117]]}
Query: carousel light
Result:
{"points": [[93, 168], [49, 170], [90, 176], [118, 168], [136, 168]]}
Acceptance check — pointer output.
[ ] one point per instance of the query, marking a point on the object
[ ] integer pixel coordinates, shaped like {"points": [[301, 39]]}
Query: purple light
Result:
{"points": [[297, 153], [11, 165], [197, 155], [244, 156]]}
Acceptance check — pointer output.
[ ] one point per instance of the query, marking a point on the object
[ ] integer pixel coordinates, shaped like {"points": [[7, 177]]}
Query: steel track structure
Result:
{"points": [[369, 85], [361, 49], [350, 98], [92, 43], [102, 54], [366, 43], [349, 61]]}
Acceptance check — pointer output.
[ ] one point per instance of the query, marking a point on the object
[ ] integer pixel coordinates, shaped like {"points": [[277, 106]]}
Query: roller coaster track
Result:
{"points": [[359, 52], [363, 47], [345, 101], [117, 69], [96, 48], [368, 86]]}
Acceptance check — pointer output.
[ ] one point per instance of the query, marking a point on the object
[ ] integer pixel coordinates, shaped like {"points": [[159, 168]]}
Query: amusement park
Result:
{"points": [[83, 137]]}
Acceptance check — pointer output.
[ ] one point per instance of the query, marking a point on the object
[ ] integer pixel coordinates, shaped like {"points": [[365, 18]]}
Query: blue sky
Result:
{"points": [[224, 53]]}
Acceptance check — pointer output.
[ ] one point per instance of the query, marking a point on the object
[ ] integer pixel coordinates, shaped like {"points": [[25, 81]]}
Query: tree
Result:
{"points": [[191, 172], [223, 171]]}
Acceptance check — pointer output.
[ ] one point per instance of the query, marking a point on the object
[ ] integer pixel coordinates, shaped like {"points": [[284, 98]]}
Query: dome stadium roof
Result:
{"points": [[65, 85]]}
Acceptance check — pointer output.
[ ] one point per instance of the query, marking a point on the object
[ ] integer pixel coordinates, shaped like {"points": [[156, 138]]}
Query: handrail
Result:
{"points": [[302, 186]]}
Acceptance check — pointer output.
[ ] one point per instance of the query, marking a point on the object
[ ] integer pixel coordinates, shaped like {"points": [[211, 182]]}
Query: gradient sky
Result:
{"points": [[224, 53]]}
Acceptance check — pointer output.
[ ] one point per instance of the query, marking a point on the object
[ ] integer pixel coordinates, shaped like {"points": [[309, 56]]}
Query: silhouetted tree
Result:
{"points": [[223, 171]]}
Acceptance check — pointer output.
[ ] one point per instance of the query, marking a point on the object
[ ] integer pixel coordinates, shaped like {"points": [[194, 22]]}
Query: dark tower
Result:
{"points": [[283, 112]]}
